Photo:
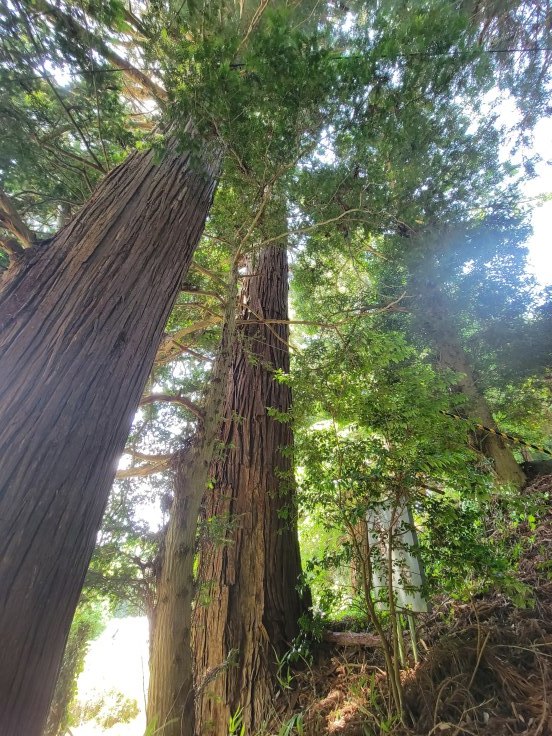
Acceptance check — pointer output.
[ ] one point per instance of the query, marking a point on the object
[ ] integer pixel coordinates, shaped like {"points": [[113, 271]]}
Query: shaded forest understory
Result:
{"points": [[484, 665]]}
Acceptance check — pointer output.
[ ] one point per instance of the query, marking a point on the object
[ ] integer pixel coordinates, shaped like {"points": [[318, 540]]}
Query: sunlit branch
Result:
{"points": [[167, 346], [174, 399], [11, 221], [92, 40]]}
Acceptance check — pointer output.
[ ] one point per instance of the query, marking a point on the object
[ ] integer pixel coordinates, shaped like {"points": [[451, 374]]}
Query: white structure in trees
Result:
{"points": [[394, 521]]}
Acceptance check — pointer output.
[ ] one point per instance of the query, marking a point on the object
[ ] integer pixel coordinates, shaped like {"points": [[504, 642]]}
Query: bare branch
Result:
{"points": [[206, 272], [178, 349], [186, 289], [171, 341], [135, 22], [11, 246], [56, 133], [367, 312], [154, 464], [257, 15], [174, 399], [81, 159], [147, 457], [141, 471]]}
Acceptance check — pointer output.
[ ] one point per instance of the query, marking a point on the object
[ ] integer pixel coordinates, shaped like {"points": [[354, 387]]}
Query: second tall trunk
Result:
{"points": [[437, 321], [250, 573]]}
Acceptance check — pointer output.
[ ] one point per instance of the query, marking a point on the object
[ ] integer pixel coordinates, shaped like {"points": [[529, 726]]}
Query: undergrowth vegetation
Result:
{"points": [[483, 658]]}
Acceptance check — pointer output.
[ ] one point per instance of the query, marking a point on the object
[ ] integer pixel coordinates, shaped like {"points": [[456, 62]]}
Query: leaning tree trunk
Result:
{"points": [[80, 322], [250, 577], [438, 323], [171, 702]]}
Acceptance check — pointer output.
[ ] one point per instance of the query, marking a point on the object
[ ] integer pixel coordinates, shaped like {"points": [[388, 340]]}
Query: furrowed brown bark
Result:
{"points": [[251, 578], [452, 355], [171, 701], [80, 321]]}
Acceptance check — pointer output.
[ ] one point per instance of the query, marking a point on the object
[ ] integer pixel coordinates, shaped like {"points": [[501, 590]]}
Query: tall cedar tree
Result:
{"points": [[436, 319], [250, 576], [81, 318], [171, 700]]}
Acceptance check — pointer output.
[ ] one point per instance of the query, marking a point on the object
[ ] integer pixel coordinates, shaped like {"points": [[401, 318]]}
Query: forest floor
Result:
{"points": [[486, 666]]}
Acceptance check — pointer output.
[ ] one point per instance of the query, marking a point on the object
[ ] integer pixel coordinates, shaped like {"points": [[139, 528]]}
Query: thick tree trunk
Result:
{"points": [[452, 355], [171, 703], [80, 322], [251, 578], [493, 447]]}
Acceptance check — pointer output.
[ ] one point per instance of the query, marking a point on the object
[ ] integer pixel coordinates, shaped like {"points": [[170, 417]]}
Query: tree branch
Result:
{"points": [[11, 247], [39, 47], [142, 471], [99, 45], [170, 341], [310, 228], [174, 399], [55, 133], [257, 15], [206, 272], [187, 289], [11, 221], [367, 312], [135, 22], [178, 349], [146, 456], [63, 152], [155, 464]]}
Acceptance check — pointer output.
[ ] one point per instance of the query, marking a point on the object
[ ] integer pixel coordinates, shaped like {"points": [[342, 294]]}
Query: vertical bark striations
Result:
{"points": [[171, 703], [250, 579], [80, 321]]}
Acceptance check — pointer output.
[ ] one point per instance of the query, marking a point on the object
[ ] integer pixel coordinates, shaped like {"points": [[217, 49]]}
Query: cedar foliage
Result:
{"points": [[368, 122]]}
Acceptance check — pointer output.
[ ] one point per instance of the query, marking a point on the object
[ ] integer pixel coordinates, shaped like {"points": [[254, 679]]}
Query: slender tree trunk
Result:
{"points": [[361, 540], [251, 578], [171, 703], [82, 633], [80, 322], [440, 327]]}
